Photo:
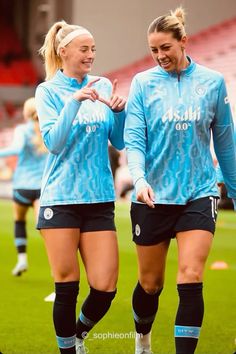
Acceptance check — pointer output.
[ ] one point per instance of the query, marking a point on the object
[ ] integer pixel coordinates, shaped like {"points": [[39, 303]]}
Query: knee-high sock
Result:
{"points": [[189, 317], [145, 307], [20, 236], [64, 315], [93, 309]]}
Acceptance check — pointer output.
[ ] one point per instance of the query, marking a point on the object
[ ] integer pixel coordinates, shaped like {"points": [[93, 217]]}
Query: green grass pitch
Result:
{"points": [[26, 319]]}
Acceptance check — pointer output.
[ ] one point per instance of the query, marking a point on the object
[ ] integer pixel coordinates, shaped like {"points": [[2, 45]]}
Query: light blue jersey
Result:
{"points": [[170, 119], [220, 178], [76, 134], [30, 163]]}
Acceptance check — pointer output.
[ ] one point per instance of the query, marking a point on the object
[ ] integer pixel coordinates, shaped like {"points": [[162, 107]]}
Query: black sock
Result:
{"points": [[93, 309], [189, 317], [64, 315], [145, 307], [20, 236]]}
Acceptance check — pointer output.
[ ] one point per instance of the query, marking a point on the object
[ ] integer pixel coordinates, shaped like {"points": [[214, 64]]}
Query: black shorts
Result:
{"points": [[86, 217], [26, 196], [152, 226]]}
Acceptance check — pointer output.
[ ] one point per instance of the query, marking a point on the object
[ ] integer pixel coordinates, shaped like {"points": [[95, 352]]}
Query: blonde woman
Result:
{"points": [[173, 108], [28, 146], [79, 114]]}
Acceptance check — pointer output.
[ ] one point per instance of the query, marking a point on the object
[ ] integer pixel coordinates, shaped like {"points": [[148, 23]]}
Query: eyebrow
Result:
{"points": [[163, 45], [86, 46]]}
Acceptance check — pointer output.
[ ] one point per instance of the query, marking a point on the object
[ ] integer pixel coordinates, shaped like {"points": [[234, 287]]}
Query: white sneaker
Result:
{"points": [[143, 350], [79, 346], [50, 298], [143, 343], [19, 268]]}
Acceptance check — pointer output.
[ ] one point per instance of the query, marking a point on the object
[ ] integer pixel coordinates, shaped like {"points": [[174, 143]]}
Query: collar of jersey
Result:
{"points": [[186, 71], [71, 80]]}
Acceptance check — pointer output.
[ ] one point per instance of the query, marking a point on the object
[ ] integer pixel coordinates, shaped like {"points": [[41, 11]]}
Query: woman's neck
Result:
{"points": [[184, 63], [75, 75]]}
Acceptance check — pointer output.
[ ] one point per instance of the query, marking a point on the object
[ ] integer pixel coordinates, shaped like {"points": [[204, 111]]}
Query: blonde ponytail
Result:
{"points": [[55, 35], [180, 14], [49, 50]]}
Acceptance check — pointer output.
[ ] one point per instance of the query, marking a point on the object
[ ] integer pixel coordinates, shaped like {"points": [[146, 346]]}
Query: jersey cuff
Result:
{"points": [[140, 183]]}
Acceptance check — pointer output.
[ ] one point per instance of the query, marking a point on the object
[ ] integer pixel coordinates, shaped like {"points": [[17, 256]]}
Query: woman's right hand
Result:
{"points": [[87, 92], [146, 195]]}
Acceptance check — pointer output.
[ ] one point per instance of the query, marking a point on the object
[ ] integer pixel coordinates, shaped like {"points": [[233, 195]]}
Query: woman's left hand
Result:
{"points": [[116, 103]]}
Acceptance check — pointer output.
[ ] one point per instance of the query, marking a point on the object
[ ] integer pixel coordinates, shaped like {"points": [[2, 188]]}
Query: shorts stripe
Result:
{"points": [[22, 199], [187, 331], [213, 208], [26, 196]]}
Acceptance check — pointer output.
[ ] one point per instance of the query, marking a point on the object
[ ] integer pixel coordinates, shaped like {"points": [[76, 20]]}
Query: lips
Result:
{"points": [[165, 63]]}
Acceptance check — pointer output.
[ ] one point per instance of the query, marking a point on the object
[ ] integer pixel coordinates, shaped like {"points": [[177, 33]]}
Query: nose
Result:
{"points": [[161, 55], [91, 54]]}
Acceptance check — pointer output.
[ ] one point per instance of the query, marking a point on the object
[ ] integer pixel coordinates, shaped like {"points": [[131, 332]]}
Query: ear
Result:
{"points": [[183, 42], [62, 52]]}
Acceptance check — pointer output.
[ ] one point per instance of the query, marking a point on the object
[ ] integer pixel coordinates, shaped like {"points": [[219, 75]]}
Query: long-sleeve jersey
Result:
{"points": [[30, 163], [170, 119], [220, 178], [76, 134]]}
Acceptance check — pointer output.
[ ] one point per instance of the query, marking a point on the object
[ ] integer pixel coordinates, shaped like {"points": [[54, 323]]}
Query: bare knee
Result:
{"points": [[102, 281], [151, 285], [65, 274], [103, 285], [189, 274]]}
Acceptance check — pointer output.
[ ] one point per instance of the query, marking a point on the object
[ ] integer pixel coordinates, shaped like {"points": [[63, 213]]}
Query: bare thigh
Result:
{"points": [[99, 252], [151, 263], [193, 249], [19, 211], [62, 250], [36, 209]]}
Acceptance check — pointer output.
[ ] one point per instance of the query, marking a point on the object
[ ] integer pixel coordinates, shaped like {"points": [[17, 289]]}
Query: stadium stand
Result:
{"points": [[15, 66], [17, 73], [11, 46]]}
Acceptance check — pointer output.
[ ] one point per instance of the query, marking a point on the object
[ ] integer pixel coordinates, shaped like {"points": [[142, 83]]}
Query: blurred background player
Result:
{"points": [[28, 146], [123, 179], [78, 115], [172, 110]]}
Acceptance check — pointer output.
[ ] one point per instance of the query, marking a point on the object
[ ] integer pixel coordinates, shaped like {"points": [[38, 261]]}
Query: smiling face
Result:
{"points": [[167, 51], [78, 56]]}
